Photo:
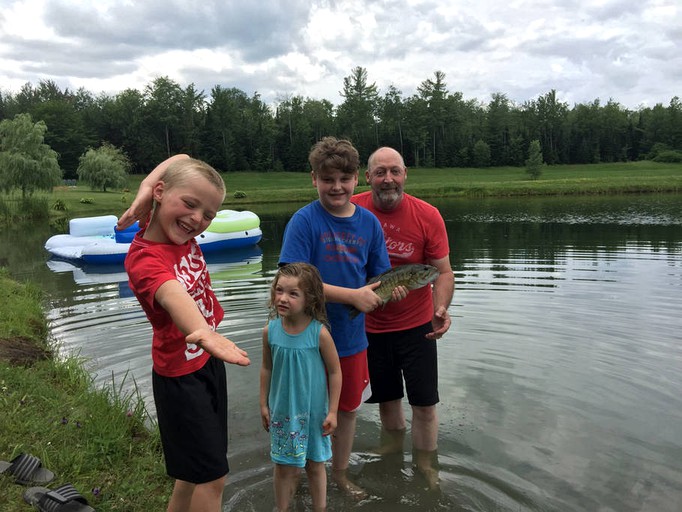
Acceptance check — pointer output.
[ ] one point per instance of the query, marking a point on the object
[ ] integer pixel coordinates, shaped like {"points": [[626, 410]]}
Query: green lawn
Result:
{"points": [[277, 187]]}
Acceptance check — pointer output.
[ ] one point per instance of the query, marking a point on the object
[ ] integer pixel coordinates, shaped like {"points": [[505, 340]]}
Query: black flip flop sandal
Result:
{"points": [[26, 469], [62, 499]]}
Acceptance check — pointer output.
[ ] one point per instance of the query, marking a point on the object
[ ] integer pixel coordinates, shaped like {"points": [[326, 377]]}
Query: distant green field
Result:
{"points": [[282, 187]]}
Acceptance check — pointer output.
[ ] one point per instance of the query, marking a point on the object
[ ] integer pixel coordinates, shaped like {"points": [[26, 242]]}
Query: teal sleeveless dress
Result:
{"points": [[298, 398]]}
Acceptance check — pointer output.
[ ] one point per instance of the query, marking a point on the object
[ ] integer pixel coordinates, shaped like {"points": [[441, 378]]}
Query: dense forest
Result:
{"points": [[432, 128]]}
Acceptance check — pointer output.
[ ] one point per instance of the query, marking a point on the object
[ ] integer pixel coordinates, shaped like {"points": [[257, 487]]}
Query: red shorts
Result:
{"points": [[355, 383]]}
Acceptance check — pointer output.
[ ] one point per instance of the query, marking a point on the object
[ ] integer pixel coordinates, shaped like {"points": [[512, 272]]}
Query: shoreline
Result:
{"points": [[94, 438]]}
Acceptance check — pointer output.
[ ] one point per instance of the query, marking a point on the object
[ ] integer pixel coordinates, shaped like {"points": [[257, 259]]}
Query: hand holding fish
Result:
{"points": [[399, 293], [365, 299]]}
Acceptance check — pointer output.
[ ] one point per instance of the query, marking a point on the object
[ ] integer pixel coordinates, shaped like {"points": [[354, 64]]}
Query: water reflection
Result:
{"points": [[223, 266], [103, 322], [559, 380]]}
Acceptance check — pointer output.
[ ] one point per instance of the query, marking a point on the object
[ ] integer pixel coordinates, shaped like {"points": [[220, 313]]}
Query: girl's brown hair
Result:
{"points": [[310, 282]]}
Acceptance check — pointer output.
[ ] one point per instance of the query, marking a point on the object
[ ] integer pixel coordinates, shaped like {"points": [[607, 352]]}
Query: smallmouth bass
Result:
{"points": [[410, 276]]}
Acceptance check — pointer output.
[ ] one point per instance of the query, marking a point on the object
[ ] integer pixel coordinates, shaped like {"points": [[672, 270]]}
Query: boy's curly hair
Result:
{"points": [[331, 153]]}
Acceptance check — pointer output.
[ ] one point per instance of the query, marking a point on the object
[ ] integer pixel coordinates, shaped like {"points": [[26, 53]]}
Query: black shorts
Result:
{"points": [[406, 354], [192, 416]]}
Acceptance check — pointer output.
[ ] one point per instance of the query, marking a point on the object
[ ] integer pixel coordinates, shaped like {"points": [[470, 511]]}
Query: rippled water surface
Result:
{"points": [[560, 379]]}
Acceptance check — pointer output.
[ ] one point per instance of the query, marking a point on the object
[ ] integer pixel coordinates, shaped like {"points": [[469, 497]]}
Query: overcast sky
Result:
{"points": [[628, 50]]}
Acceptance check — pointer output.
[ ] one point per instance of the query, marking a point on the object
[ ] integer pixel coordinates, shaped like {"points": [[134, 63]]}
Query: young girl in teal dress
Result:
{"points": [[300, 383]]}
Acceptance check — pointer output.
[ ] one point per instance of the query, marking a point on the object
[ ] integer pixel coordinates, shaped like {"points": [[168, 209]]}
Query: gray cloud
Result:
{"points": [[625, 49], [257, 30]]}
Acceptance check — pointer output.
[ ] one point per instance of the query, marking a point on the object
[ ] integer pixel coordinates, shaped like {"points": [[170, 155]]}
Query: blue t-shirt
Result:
{"points": [[347, 251]]}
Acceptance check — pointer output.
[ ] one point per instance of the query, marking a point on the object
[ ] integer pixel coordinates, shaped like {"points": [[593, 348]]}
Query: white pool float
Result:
{"points": [[96, 239]]}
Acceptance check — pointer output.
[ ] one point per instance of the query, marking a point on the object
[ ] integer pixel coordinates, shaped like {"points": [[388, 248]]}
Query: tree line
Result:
{"points": [[432, 128]]}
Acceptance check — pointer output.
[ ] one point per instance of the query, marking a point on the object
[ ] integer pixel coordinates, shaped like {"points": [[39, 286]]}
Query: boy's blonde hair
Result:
{"points": [[180, 172], [331, 153], [310, 282]]}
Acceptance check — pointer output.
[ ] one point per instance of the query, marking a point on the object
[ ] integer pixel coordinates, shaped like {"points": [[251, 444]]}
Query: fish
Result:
{"points": [[412, 277]]}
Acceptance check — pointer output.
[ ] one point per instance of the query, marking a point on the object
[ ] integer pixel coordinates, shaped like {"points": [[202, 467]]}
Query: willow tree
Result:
{"points": [[104, 167], [26, 162]]}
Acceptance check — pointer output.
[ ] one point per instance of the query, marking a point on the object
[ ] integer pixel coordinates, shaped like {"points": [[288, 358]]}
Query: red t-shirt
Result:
{"points": [[415, 233], [149, 265]]}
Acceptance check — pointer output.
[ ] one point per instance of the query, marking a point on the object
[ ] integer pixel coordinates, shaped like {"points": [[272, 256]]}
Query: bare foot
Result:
{"points": [[391, 442], [386, 450], [341, 480], [425, 462], [431, 477]]}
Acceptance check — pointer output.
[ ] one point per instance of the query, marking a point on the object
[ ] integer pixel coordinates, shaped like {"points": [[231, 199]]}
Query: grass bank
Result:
{"points": [[261, 189], [95, 439]]}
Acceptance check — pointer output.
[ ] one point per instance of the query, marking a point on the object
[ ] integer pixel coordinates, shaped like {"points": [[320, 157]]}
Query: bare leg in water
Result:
{"points": [[424, 436], [425, 442], [342, 445]]}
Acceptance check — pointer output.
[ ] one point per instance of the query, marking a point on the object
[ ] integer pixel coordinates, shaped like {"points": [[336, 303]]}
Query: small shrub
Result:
{"points": [[656, 149], [124, 198], [59, 205], [670, 156], [60, 225], [87, 200], [239, 194]]}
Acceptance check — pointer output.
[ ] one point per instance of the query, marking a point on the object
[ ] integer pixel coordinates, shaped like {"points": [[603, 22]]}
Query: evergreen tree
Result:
{"points": [[534, 163]]}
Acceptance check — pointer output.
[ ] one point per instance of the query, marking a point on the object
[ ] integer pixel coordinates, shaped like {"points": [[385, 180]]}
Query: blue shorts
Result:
{"points": [[192, 414], [408, 355]]}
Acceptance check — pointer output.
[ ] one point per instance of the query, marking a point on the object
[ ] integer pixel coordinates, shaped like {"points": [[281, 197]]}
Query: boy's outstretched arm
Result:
{"points": [[173, 297], [218, 346]]}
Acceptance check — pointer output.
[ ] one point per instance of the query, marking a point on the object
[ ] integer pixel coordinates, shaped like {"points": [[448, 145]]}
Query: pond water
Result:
{"points": [[560, 378]]}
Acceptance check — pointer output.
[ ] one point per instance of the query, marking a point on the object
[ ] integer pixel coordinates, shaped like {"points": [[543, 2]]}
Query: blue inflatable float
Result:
{"points": [[96, 240]]}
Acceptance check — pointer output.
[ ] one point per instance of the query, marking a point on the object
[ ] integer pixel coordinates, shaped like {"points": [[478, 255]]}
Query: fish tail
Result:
{"points": [[352, 312]]}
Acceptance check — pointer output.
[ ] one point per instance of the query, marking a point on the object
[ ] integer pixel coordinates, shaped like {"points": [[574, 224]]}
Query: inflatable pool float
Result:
{"points": [[96, 240]]}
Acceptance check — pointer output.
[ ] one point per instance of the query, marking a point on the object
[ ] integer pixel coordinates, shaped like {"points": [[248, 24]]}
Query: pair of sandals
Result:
{"points": [[27, 470]]}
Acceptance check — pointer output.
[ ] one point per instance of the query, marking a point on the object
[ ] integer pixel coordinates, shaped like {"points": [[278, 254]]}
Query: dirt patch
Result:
{"points": [[21, 351]]}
